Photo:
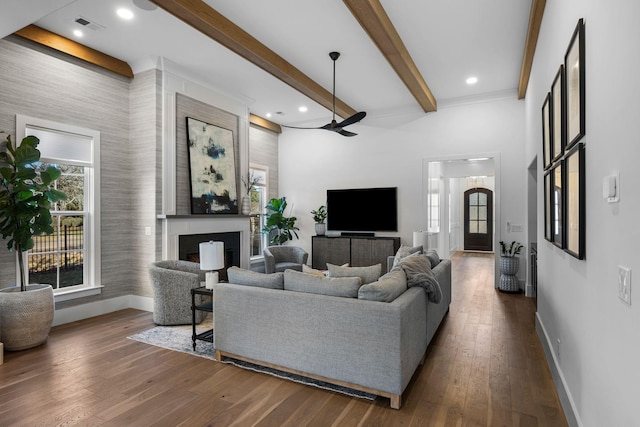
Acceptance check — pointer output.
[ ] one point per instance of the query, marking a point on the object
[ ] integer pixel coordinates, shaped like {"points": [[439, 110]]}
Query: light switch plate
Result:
{"points": [[624, 284]]}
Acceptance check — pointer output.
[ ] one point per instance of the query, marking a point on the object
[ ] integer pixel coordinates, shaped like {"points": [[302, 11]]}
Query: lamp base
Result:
{"points": [[211, 279]]}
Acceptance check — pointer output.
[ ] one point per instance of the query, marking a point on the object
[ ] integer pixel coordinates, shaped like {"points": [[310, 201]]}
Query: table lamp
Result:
{"points": [[211, 258]]}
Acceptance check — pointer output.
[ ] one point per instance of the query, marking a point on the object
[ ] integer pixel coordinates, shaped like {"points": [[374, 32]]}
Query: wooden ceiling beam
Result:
{"points": [[535, 20], [375, 21], [210, 22], [264, 123], [77, 50]]}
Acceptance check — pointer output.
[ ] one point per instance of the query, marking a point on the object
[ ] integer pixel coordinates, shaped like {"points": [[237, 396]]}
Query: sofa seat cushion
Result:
{"points": [[417, 267], [366, 274], [386, 289], [241, 276], [314, 284]]}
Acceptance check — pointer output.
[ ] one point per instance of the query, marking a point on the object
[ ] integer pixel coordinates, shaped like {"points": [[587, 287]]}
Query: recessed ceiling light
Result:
{"points": [[303, 109], [77, 33], [268, 114], [472, 80], [124, 13]]}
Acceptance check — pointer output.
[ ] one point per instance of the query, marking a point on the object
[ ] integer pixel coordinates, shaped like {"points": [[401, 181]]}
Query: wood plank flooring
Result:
{"points": [[485, 367]]}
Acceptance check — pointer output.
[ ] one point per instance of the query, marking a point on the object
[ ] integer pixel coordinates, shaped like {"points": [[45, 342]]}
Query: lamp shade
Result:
{"points": [[211, 255]]}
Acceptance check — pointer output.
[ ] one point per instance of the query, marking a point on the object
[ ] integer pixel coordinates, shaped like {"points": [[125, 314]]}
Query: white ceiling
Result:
{"points": [[449, 41]]}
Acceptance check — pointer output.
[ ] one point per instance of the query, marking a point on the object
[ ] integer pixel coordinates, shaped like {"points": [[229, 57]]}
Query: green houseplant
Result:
{"points": [[26, 311], [509, 265], [279, 227], [319, 216]]}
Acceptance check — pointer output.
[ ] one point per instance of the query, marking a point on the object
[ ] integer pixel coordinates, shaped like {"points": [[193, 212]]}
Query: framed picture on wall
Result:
{"points": [[547, 207], [546, 132], [557, 114], [212, 169], [557, 204], [575, 203], [575, 87]]}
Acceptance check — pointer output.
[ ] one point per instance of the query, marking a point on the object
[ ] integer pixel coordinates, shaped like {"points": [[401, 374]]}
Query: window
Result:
{"points": [[259, 197], [433, 204], [68, 259]]}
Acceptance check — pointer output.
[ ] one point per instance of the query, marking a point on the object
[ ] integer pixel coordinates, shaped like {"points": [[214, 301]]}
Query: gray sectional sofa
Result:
{"points": [[292, 321]]}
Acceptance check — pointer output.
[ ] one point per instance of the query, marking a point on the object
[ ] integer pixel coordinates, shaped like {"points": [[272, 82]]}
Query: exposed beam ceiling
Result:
{"points": [[535, 20], [375, 21], [264, 123], [63, 44], [208, 21]]}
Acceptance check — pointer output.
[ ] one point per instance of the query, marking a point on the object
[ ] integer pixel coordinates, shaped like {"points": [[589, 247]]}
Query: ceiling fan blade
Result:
{"points": [[296, 127], [346, 132], [353, 119]]}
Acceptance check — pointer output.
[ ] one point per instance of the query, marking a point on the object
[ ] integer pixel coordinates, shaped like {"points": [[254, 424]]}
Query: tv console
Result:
{"points": [[358, 251]]}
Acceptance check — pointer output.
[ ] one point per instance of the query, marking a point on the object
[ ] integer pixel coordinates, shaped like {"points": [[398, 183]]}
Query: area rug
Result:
{"points": [[178, 338]]}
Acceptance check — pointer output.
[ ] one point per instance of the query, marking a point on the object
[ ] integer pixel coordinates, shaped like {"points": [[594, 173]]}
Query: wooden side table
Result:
{"points": [[208, 307]]}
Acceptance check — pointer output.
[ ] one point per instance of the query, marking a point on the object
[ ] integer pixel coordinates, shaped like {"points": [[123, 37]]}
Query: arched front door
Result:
{"points": [[478, 219]]}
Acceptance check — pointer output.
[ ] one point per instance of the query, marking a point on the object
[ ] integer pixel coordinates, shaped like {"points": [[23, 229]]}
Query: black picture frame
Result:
{"points": [[547, 135], [575, 214], [558, 115], [547, 207], [574, 66], [556, 199]]}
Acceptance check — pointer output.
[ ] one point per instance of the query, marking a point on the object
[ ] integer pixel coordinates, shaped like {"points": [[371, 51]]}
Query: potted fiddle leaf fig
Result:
{"points": [[509, 265], [26, 197], [279, 227], [319, 216]]}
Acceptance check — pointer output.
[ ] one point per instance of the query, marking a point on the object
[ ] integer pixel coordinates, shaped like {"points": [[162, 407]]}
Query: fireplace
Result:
{"points": [[188, 248]]}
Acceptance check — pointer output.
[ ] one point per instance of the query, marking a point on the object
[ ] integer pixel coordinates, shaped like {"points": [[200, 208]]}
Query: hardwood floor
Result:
{"points": [[485, 367]]}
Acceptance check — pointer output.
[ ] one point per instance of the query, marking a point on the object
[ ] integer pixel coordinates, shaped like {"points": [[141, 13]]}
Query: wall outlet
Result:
{"points": [[624, 284], [147, 231]]}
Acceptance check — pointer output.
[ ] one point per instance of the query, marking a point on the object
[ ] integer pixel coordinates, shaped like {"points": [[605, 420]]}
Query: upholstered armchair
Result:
{"points": [[281, 258], [172, 281]]}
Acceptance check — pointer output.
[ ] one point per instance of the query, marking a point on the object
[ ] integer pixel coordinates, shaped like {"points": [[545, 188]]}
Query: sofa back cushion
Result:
{"points": [[240, 276], [314, 284], [433, 256], [366, 274], [385, 289]]}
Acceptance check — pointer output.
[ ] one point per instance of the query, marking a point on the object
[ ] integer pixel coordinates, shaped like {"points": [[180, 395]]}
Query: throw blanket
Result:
{"points": [[417, 267]]}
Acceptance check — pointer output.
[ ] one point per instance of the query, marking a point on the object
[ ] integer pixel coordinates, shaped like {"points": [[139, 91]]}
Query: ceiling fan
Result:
{"points": [[334, 126]]}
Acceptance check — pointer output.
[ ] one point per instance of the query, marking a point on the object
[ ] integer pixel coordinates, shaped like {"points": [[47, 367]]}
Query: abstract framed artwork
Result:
{"points": [[547, 136], [557, 204], [557, 115], [547, 207], [575, 87], [212, 169], [575, 203]]}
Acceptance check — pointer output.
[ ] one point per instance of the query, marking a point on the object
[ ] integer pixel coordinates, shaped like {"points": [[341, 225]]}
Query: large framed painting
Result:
{"points": [[557, 204], [575, 87], [557, 114], [546, 132], [212, 169], [575, 203], [547, 207]]}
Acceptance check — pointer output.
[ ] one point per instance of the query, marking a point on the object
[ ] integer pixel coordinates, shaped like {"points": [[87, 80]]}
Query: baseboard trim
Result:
{"points": [[566, 400], [84, 311]]}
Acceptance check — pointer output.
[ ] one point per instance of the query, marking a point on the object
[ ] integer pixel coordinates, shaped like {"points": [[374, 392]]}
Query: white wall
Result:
{"points": [[312, 161], [578, 304]]}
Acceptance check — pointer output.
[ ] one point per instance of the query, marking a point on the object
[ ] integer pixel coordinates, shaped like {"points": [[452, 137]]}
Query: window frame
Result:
{"points": [[92, 260], [261, 214]]}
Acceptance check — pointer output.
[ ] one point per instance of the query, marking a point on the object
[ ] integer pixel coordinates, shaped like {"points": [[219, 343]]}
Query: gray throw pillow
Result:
{"points": [[418, 270], [240, 276], [433, 256], [366, 274], [385, 289], [313, 284], [406, 251]]}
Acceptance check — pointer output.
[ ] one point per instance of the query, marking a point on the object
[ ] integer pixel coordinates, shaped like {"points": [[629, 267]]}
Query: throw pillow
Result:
{"points": [[366, 274], [405, 251], [310, 283], [240, 276], [309, 270], [385, 289], [418, 270], [433, 257]]}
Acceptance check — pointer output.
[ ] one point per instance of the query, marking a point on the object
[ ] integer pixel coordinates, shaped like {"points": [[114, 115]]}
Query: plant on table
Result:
{"points": [[320, 214]]}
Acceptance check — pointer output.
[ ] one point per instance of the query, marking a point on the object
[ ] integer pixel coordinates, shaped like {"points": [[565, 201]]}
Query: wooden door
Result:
{"points": [[478, 219]]}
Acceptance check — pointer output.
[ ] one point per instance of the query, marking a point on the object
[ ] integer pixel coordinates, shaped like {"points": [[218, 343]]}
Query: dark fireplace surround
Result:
{"points": [[188, 248]]}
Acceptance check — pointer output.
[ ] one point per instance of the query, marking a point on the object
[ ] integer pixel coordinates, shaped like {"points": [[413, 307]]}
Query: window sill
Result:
{"points": [[67, 295]]}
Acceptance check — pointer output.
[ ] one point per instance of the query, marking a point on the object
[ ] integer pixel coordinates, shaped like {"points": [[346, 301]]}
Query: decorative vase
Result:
{"points": [[25, 317], [246, 205], [321, 228], [508, 269]]}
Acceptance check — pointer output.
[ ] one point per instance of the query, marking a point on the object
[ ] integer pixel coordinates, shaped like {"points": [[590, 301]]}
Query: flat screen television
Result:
{"points": [[363, 209]]}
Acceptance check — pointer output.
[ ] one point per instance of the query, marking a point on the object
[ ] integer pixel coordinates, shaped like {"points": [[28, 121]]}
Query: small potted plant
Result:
{"points": [[319, 216], [26, 197], [509, 264]]}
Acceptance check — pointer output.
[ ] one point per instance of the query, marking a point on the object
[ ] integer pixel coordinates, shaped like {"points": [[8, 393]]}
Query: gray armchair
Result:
{"points": [[281, 258], [172, 281]]}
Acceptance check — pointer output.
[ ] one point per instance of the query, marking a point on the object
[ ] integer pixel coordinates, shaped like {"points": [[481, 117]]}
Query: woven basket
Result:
{"points": [[25, 317]]}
